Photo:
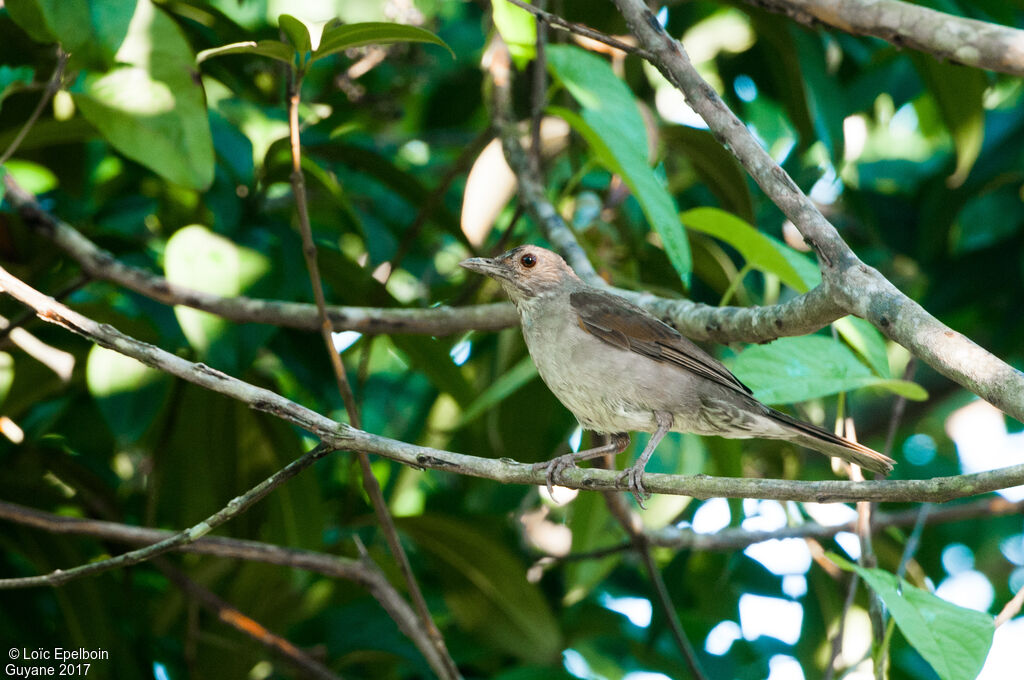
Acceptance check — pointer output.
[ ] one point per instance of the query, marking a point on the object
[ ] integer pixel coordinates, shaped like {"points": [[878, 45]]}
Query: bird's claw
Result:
{"points": [[555, 467], [635, 484]]}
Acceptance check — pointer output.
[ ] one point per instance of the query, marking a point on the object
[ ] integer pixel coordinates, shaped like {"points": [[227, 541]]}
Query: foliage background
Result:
{"points": [[919, 163]]}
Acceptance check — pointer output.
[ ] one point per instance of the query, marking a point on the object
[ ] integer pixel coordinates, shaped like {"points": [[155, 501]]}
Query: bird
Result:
{"points": [[620, 369]]}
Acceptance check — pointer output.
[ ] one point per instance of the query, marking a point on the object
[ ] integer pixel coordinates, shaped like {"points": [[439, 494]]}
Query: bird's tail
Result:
{"points": [[816, 438]]}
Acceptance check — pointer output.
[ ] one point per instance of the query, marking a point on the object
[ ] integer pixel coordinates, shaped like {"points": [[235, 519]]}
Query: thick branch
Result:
{"points": [[946, 36], [100, 264], [341, 436], [799, 316], [856, 287]]}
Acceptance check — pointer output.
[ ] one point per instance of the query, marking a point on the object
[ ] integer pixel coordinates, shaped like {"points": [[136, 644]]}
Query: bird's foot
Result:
{"points": [[635, 483], [554, 468]]}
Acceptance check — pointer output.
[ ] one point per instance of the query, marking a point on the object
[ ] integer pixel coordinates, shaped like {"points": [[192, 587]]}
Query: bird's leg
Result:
{"points": [[634, 474], [555, 466]]}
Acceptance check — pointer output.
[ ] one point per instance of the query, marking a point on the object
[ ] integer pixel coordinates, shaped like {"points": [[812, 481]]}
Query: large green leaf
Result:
{"points": [[867, 341], [958, 92], [797, 369], [486, 587], [149, 107], [954, 640], [756, 248], [341, 37], [518, 28], [90, 30], [611, 124]]}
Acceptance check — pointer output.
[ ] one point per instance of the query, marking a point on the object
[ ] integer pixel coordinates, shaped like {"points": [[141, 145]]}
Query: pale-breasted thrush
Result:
{"points": [[619, 369]]}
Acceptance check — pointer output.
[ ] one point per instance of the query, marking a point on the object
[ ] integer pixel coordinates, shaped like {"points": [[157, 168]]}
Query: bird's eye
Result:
{"points": [[528, 260]]}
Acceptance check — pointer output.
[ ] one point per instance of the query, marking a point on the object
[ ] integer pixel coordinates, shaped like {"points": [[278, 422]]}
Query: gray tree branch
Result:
{"points": [[854, 286], [946, 36], [363, 571], [342, 436]]}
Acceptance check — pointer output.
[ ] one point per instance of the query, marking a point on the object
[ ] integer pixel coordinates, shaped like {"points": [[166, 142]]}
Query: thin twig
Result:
{"points": [[234, 508], [51, 88], [580, 29], [370, 483], [363, 571]]}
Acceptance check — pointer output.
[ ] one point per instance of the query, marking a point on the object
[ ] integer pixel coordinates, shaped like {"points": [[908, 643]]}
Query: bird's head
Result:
{"points": [[525, 272]]}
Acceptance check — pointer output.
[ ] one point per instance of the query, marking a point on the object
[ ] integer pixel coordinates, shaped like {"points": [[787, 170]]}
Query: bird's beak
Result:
{"points": [[486, 266]]}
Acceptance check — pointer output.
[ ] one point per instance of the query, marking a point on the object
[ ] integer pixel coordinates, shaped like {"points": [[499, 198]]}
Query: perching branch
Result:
{"points": [[945, 36], [341, 436]]}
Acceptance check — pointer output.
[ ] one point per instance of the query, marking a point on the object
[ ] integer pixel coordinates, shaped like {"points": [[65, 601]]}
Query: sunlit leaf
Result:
{"points": [[91, 30], [867, 340], [791, 370], [611, 124], [128, 393], [518, 28], [958, 92], [297, 33], [197, 258], [954, 640], [338, 38], [756, 248], [149, 107]]}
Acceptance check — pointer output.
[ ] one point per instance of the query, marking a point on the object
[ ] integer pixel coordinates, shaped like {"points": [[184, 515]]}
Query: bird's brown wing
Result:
{"points": [[620, 323]]}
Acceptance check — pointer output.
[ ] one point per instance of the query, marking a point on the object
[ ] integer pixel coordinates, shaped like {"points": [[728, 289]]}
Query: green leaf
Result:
{"points": [[518, 28], [517, 376], [14, 80], [275, 49], [34, 178], [149, 108], [756, 248], [716, 167], [953, 639], [91, 30], [297, 33], [339, 38], [129, 394], [867, 340], [486, 587], [29, 16], [958, 93], [200, 259], [6, 374], [797, 369], [611, 124]]}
